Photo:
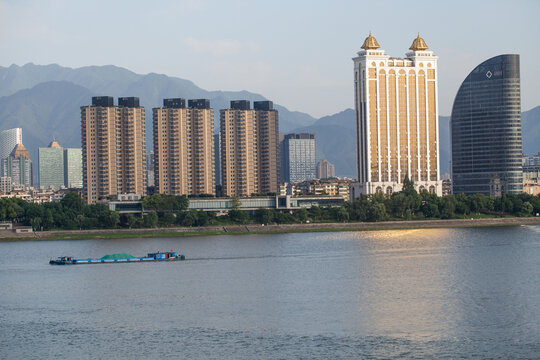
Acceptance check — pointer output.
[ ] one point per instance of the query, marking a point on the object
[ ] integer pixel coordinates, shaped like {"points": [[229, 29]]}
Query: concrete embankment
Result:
{"points": [[237, 229]]}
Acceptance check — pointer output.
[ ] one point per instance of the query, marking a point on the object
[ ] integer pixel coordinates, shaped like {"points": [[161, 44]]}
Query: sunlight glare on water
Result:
{"points": [[385, 294]]}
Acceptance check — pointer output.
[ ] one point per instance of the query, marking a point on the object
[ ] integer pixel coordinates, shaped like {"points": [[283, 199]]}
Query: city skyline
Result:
{"points": [[312, 78]]}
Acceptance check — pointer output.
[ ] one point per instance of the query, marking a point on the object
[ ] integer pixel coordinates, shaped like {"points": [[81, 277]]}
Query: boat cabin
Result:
{"points": [[163, 255]]}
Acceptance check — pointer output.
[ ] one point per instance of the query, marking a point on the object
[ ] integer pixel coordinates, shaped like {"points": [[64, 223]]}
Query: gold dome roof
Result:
{"points": [[370, 43], [55, 145], [418, 44], [20, 151]]}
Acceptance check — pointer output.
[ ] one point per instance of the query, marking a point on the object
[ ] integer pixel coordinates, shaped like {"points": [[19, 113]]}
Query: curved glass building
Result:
{"points": [[486, 130]]}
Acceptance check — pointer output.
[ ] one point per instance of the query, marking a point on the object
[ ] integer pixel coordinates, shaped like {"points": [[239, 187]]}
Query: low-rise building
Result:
{"points": [[531, 174], [328, 187], [446, 187], [5, 185]]}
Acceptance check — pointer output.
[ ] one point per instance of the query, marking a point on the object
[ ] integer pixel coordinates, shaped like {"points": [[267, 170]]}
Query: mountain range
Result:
{"points": [[45, 101]]}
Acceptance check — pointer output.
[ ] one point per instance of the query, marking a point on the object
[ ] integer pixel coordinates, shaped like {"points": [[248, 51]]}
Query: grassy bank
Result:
{"points": [[275, 229]]}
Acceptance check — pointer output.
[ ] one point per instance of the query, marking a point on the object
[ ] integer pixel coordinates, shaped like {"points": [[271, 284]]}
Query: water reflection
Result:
{"points": [[440, 291]]}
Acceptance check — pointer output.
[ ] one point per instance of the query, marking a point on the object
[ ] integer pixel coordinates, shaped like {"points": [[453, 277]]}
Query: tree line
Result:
{"points": [[72, 213]]}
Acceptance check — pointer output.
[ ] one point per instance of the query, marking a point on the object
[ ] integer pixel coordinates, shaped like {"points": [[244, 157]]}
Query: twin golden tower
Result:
{"points": [[397, 119]]}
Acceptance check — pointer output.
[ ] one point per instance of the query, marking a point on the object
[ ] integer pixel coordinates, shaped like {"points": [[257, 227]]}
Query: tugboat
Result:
{"points": [[120, 258]]}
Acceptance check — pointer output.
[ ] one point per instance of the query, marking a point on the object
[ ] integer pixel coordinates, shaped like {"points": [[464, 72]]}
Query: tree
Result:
{"points": [[202, 217], [168, 218], [430, 210], [238, 216], [376, 212], [462, 204], [32, 211], [73, 201], [526, 209], [35, 222], [152, 202], [282, 218], [160, 202], [150, 220], [408, 186], [339, 214], [316, 213], [263, 216], [430, 205], [398, 204], [236, 203], [447, 208], [301, 215], [188, 218], [129, 220], [80, 221], [11, 209], [535, 202], [111, 219]]}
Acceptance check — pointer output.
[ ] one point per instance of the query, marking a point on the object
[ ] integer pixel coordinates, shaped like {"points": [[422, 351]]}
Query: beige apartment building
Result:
{"points": [[113, 148], [184, 147], [397, 115], [249, 148]]}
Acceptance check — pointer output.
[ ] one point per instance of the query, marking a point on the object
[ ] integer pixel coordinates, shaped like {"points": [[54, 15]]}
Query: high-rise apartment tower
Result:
{"points": [[397, 119], [249, 148], [113, 148], [184, 147]]}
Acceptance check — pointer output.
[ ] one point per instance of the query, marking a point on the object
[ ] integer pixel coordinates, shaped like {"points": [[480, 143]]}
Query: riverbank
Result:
{"points": [[245, 229]]}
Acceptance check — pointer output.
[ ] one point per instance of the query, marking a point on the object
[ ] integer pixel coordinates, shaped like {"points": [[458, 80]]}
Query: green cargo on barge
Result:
{"points": [[120, 258]]}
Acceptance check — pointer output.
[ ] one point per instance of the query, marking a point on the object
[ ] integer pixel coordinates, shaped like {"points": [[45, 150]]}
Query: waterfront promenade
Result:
{"points": [[254, 228]]}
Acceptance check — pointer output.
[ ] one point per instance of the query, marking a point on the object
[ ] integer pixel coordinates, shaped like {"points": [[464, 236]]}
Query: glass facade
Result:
{"points": [[298, 157], [8, 140], [51, 167], [486, 130], [18, 169], [73, 175]]}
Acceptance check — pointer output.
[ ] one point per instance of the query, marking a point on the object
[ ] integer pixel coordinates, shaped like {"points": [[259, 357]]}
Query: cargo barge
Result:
{"points": [[120, 258]]}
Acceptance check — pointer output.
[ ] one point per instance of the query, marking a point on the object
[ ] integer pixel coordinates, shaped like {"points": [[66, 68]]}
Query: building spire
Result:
{"points": [[418, 44], [54, 144], [20, 151], [370, 43]]}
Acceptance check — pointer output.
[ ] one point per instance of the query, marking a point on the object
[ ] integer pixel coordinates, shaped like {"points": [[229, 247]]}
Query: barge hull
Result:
{"points": [[152, 257]]}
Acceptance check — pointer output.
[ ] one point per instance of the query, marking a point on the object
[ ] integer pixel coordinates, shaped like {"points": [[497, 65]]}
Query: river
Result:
{"points": [[427, 293]]}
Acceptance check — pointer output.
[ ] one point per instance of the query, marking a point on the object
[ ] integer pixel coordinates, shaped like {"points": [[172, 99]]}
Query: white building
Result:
{"points": [[325, 169]]}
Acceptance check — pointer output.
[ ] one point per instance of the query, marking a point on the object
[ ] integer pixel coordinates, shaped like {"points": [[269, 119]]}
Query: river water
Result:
{"points": [[428, 293]]}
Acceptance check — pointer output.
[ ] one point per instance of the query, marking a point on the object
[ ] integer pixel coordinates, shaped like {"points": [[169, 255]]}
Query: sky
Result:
{"points": [[295, 53]]}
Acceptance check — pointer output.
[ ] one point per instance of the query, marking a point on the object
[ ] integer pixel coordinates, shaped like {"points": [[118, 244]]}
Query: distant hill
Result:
{"points": [[530, 129], [50, 109], [45, 101], [150, 88], [336, 139]]}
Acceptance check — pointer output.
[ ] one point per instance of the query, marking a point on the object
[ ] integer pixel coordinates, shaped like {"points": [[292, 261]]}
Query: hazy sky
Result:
{"points": [[296, 53]]}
